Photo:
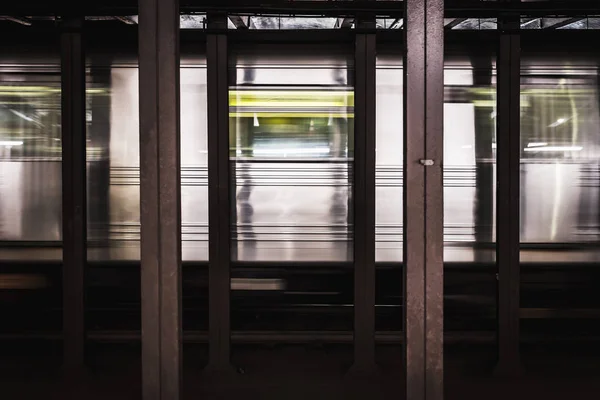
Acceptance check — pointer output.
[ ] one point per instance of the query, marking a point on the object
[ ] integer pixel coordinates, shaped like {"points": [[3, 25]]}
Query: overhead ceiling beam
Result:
{"points": [[397, 24], [347, 23], [238, 21], [561, 24], [126, 20], [455, 22], [453, 8], [18, 20], [527, 21]]}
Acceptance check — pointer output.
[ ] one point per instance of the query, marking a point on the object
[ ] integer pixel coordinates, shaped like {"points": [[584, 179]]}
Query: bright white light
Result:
{"points": [[554, 148], [11, 143], [493, 115], [558, 122], [467, 146], [255, 120], [494, 145], [537, 144]]}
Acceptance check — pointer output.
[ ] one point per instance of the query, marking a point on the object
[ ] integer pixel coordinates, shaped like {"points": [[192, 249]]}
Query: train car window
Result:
{"points": [[30, 155], [113, 162], [560, 115], [291, 140], [389, 157]]}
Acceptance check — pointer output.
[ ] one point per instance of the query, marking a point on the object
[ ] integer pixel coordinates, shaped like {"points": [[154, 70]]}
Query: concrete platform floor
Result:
{"points": [[303, 372]]}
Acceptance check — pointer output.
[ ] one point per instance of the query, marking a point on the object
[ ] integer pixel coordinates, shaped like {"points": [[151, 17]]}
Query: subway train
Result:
{"points": [[291, 151], [291, 137]]}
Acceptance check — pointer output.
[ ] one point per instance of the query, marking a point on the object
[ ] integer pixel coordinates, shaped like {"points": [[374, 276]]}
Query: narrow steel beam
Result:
{"points": [[238, 21], [125, 20], [560, 24], [527, 21], [18, 20], [73, 192], [364, 199], [219, 217], [160, 194], [397, 24], [455, 22], [423, 198], [346, 22], [508, 150]]}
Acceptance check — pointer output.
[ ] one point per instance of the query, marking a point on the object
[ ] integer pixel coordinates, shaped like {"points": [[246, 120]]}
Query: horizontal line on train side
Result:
{"points": [[274, 107], [291, 173], [311, 238], [293, 166], [326, 160], [129, 226], [282, 160]]}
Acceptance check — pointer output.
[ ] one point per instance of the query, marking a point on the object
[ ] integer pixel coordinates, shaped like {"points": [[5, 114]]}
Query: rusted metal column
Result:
{"points": [[364, 196], [160, 199], [423, 198], [73, 192], [219, 217], [508, 197]]}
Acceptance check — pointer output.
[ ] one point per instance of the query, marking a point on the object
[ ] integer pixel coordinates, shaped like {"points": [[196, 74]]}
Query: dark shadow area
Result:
{"points": [[317, 371]]}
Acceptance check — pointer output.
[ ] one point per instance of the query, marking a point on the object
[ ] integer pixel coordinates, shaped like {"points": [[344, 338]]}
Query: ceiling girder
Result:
{"points": [[561, 24], [18, 20], [238, 21]]}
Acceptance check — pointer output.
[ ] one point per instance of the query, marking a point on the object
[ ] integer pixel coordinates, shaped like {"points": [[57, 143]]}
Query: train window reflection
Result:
{"points": [[469, 161], [113, 163], [30, 157], [291, 150], [389, 155], [559, 156]]}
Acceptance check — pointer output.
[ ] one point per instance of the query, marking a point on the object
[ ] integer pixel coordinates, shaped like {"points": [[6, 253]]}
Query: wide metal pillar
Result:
{"points": [[364, 196], [508, 197], [423, 198], [160, 194], [219, 216], [73, 192]]}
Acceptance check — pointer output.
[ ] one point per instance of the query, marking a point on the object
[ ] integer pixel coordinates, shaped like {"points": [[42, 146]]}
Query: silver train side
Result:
{"points": [[293, 188]]}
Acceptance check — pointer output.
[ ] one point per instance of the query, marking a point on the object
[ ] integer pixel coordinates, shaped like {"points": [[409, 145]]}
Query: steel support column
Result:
{"points": [[73, 192], [423, 198], [508, 195], [219, 237], [364, 198], [160, 194]]}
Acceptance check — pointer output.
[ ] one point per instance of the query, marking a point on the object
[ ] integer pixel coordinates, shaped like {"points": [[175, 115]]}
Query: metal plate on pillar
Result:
{"points": [[160, 199], [423, 198]]}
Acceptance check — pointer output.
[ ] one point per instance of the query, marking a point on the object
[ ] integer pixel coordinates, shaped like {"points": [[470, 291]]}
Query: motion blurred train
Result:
{"points": [[291, 135], [291, 151]]}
